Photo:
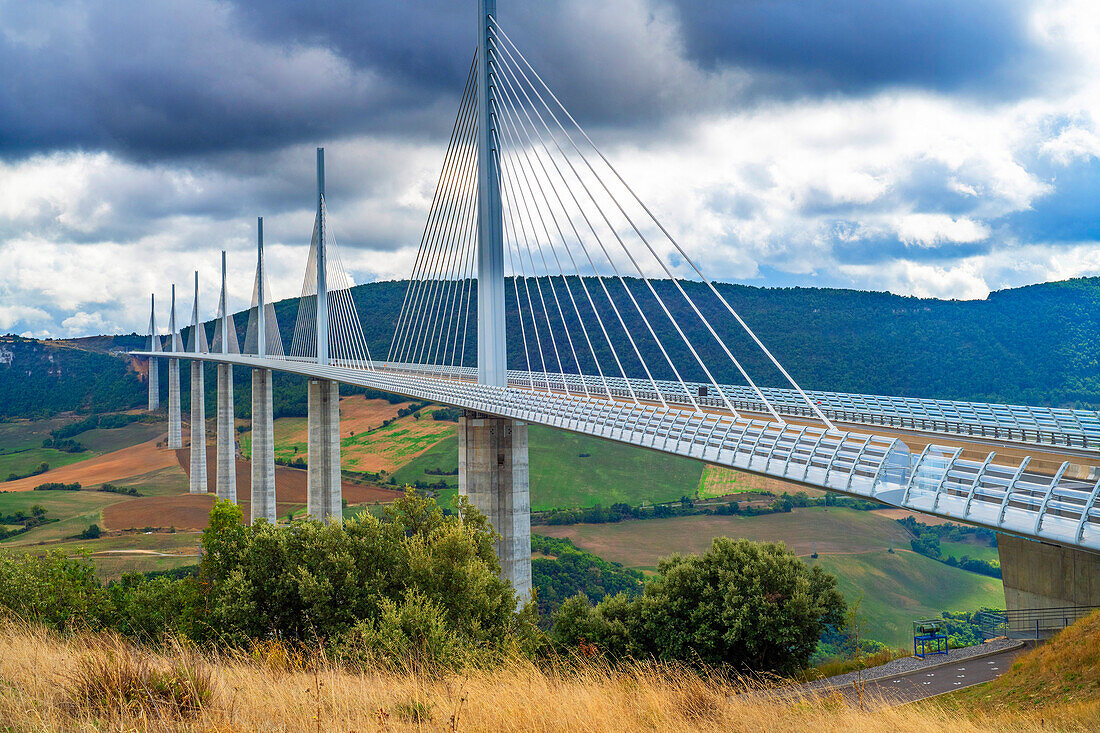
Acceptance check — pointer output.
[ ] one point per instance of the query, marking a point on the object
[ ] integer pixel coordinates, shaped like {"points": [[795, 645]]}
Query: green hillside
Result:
{"points": [[903, 587]]}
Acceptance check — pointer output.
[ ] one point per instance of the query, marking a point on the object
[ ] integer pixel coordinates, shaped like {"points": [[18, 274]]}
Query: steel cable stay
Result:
{"points": [[433, 208], [611, 345], [448, 260], [464, 122], [356, 348], [511, 209], [447, 299], [512, 180], [512, 104], [519, 311], [466, 247], [606, 220], [518, 123], [463, 171], [273, 340], [508, 47], [592, 305]]}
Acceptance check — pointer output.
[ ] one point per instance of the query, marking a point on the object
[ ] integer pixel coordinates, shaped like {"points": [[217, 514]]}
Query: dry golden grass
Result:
{"points": [[45, 678], [1063, 674]]}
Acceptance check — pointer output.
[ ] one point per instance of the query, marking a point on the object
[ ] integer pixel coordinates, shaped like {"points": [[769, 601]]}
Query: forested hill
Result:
{"points": [[1033, 345]]}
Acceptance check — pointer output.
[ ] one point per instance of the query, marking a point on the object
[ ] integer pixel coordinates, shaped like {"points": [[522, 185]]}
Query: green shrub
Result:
{"points": [[753, 605]]}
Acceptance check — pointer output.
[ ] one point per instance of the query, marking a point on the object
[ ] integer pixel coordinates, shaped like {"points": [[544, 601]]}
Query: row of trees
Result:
{"points": [[927, 542], [757, 504]]}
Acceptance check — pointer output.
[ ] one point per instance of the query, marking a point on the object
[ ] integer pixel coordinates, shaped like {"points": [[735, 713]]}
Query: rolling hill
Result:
{"points": [[1030, 345]]}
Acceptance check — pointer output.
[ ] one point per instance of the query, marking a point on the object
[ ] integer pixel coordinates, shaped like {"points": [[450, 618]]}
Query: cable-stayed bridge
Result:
{"points": [[546, 291]]}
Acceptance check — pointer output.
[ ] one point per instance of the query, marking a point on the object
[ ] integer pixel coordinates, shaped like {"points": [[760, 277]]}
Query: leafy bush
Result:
{"points": [[319, 580], [125, 491], [753, 605], [92, 533], [54, 590]]}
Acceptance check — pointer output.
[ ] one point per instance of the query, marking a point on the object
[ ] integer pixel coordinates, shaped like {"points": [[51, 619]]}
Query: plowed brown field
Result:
{"points": [[186, 511]]}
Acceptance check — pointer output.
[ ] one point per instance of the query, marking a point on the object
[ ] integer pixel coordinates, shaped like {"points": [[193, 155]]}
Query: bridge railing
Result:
{"points": [[1017, 423], [1030, 623]]}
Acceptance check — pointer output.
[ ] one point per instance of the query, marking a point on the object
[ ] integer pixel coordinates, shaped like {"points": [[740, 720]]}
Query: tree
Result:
{"points": [[324, 580], [752, 605]]}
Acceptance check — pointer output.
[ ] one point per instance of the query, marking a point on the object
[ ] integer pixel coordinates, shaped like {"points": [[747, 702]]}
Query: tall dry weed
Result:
{"points": [[89, 683]]}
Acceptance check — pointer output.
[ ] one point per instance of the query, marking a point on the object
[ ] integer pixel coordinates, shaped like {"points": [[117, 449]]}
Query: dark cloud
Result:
{"points": [[856, 45], [180, 78]]}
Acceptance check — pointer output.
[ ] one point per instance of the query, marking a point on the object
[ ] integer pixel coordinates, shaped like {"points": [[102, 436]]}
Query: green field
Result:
{"points": [[23, 462], [75, 509], [903, 587], [100, 440], [570, 470], [973, 551], [443, 455]]}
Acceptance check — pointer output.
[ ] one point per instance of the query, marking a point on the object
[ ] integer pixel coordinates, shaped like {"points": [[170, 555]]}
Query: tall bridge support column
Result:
{"points": [[198, 429], [154, 383], [225, 480], [1037, 575], [493, 471], [175, 419], [324, 496], [263, 448]]}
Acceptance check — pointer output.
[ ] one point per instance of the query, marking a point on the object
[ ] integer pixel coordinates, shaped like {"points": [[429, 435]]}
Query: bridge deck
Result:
{"points": [[938, 480]]}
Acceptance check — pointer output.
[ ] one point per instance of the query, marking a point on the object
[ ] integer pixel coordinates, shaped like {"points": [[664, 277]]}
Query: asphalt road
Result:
{"points": [[925, 683]]}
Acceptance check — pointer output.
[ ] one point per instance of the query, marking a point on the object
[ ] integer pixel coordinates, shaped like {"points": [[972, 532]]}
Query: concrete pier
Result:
{"points": [[493, 471], [1041, 576], [263, 447], [175, 419], [324, 498], [198, 482], [154, 383], [225, 479]]}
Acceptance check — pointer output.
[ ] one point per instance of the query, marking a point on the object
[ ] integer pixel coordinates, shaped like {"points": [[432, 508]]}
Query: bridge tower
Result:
{"points": [[225, 479], [324, 496], [263, 427], [175, 420], [492, 451], [198, 483], [154, 363]]}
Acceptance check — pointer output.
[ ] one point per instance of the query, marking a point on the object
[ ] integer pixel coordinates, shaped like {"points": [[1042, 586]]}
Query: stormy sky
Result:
{"points": [[927, 147]]}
